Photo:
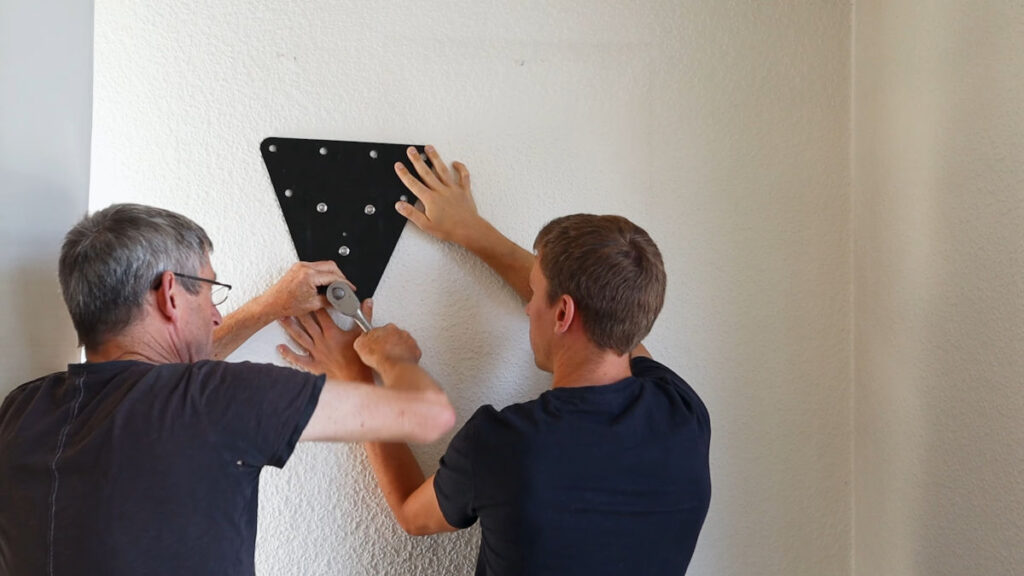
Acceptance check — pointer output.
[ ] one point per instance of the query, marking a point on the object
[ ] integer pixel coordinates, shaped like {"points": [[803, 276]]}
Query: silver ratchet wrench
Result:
{"points": [[344, 300]]}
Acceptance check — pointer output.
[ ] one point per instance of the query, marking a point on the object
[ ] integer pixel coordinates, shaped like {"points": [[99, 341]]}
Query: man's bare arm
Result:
{"points": [[411, 407], [410, 497], [330, 350], [359, 412], [294, 294], [449, 213]]}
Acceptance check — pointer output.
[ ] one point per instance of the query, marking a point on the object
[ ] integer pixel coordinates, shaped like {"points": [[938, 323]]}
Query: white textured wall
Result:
{"points": [[939, 277], [722, 127], [45, 119]]}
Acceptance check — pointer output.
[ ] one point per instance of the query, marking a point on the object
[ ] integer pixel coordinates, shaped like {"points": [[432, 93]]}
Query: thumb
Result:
{"points": [[297, 361], [368, 309], [359, 345], [364, 349], [463, 172]]}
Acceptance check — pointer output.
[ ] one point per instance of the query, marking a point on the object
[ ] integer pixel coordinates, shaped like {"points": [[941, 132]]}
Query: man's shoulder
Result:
{"points": [[649, 369], [512, 424], [484, 416], [26, 392], [205, 378], [34, 385], [512, 412], [488, 420], [670, 385], [219, 370]]}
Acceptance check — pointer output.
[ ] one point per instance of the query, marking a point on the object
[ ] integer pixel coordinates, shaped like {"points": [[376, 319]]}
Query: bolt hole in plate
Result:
{"points": [[346, 177]]}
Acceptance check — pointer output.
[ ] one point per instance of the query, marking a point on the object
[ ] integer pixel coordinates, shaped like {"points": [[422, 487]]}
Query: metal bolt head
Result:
{"points": [[288, 193], [373, 153], [403, 198], [344, 251], [321, 207], [369, 209], [323, 151], [272, 147]]}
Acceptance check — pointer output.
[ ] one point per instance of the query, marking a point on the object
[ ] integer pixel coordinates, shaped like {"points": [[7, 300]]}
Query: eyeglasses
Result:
{"points": [[219, 291]]}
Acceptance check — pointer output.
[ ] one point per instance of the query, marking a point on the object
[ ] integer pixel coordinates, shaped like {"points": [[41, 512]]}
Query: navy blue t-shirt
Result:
{"points": [[595, 480], [133, 468]]}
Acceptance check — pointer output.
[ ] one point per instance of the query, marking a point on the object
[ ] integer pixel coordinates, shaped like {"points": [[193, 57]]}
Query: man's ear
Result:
{"points": [[167, 293], [565, 314]]}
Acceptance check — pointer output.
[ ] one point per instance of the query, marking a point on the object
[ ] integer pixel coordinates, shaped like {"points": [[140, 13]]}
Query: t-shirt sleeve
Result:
{"points": [[644, 367], [649, 369], [454, 482], [254, 412], [8, 404]]}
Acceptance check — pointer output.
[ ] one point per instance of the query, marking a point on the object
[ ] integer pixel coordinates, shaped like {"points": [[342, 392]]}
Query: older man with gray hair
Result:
{"points": [[145, 459]]}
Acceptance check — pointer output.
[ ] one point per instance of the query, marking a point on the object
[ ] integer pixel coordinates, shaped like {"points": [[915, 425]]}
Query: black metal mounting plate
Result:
{"points": [[338, 199]]}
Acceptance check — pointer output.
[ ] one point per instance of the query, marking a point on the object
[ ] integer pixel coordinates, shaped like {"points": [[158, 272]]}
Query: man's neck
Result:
{"points": [[131, 345], [588, 366]]}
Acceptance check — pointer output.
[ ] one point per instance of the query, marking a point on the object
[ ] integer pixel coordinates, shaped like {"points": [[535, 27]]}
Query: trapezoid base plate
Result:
{"points": [[338, 199]]}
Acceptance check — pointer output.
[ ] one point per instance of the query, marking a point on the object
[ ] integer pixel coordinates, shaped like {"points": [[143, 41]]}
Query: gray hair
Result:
{"points": [[113, 258]]}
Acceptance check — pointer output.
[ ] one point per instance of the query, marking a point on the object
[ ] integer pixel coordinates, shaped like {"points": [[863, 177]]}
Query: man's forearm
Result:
{"points": [[412, 501], [238, 327], [406, 376], [397, 472], [294, 294], [510, 260]]}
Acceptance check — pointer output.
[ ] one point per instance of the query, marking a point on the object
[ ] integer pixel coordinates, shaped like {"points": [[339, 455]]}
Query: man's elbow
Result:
{"points": [[415, 528], [438, 419], [420, 523]]}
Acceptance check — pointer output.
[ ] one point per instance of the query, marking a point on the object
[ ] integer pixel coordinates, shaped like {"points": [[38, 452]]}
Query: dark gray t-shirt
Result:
{"points": [[595, 480], [132, 468]]}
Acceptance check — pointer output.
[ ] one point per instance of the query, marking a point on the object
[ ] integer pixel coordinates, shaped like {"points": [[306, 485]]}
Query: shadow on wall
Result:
{"points": [[37, 336]]}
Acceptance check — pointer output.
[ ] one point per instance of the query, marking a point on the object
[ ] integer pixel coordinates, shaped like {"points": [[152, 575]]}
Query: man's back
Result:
{"points": [[594, 480], [131, 468]]}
